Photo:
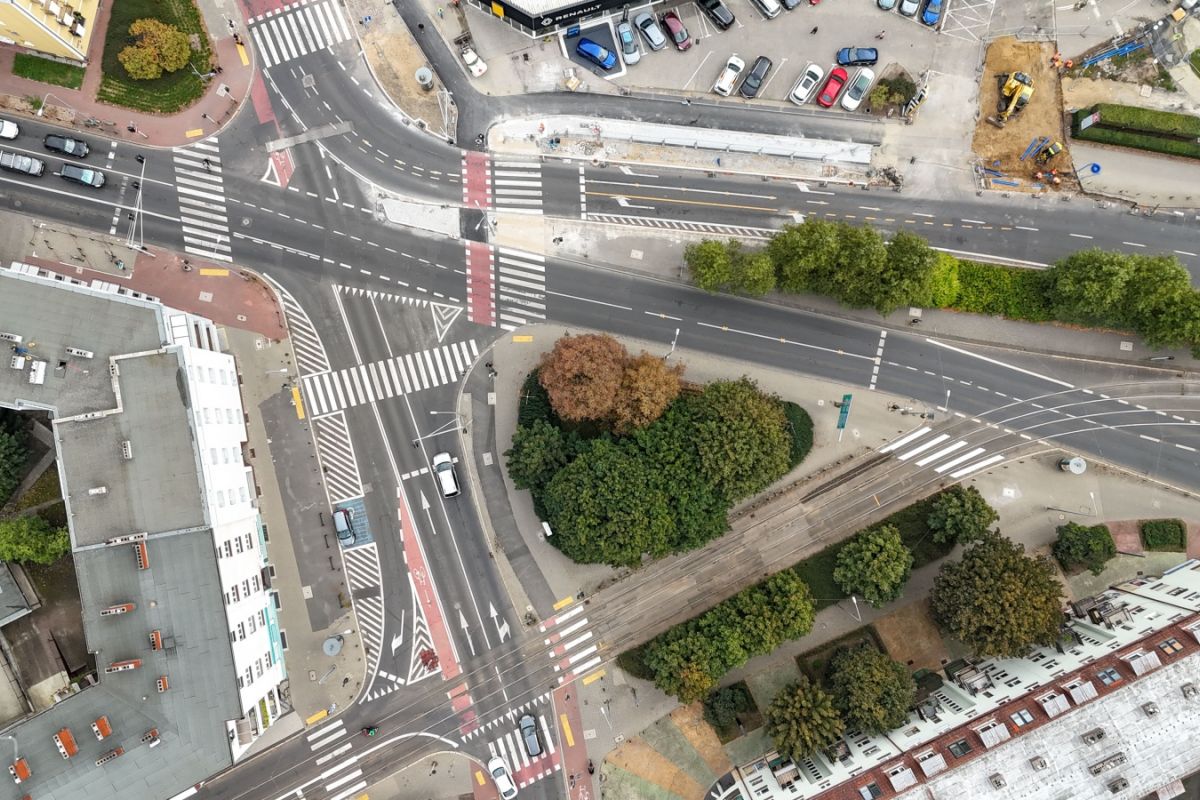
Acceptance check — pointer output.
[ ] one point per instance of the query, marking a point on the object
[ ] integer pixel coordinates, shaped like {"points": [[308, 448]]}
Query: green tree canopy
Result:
{"points": [[907, 273], [753, 272], [686, 663], [30, 539], [944, 283], [997, 600], [1089, 286], [874, 564], [538, 452], [801, 720], [723, 705], [741, 437], [806, 256], [960, 515], [710, 264], [158, 48], [872, 692], [13, 456], [1084, 547], [582, 375], [862, 259]]}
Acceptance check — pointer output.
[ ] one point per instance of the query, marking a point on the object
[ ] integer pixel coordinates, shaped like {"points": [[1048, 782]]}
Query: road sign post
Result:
{"points": [[844, 415]]}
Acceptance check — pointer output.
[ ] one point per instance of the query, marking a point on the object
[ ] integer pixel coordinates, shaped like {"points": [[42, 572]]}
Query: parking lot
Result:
{"points": [[788, 40]]}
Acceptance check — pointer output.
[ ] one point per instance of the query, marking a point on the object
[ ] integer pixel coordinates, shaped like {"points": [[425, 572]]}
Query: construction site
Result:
{"points": [[1020, 140]]}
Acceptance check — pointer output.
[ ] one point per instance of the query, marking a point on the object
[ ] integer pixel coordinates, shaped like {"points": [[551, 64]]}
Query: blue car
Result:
{"points": [[602, 57], [932, 12], [858, 56]]}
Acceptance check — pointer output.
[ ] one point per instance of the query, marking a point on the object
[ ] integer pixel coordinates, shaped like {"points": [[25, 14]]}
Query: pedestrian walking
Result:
{"points": [[880, 35], [814, 30], [207, 165], [441, 15]]}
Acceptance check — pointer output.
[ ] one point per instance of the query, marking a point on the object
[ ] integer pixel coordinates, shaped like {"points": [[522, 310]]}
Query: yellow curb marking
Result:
{"points": [[299, 402], [215, 272], [522, 338], [194, 132], [595, 676], [479, 777], [566, 601], [566, 726], [317, 717], [242, 55]]}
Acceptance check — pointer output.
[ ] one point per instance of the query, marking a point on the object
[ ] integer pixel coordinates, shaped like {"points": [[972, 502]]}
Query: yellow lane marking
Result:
{"points": [[479, 777], [522, 338], [677, 201], [194, 132], [566, 601], [317, 717], [595, 676], [298, 401], [243, 56], [214, 272], [566, 726]]}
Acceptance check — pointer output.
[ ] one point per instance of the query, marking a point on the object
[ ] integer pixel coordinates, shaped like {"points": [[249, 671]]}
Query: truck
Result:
{"points": [[26, 165]]}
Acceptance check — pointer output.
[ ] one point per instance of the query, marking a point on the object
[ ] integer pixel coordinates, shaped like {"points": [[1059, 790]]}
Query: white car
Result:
{"points": [[628, 42], [856, 90], [8, 130], [909, 7], [504, 781], [804, 87], [728, 78], [474, 63]]}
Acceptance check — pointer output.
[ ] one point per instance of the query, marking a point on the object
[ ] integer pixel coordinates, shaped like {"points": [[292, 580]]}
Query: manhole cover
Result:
{"points": [[245, 222]]}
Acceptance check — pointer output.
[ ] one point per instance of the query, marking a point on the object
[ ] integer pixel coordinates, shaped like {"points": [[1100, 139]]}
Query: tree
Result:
{"points": [[772, 612], [944, 284], [31, 539], [960, 515], [709, 264], [582, 375], [861, 259], [741, 437], [685, 662], [801, 720], [13, 455], [648, 386], [907, 270], [1083, 547], [1089, 286], [874, 564], [537, 454], [605, 507], [722, 706], [872, 692], [752, 272], [806, 256], [158, 48], [997, 600]]}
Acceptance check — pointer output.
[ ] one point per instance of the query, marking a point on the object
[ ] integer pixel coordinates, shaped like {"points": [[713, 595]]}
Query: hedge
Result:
{"points": [[1010, 292], [1140, 141], [1164, 534], [1147, 120], [800, 425]]}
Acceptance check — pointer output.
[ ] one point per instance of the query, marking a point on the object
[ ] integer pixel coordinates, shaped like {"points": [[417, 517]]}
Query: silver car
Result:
{"points": [[651, 32], [909, 8], [628, 41], [529, 735]]}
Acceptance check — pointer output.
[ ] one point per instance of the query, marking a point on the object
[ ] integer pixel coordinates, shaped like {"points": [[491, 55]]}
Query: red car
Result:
{"points": [[678, 33], [829, 92]]}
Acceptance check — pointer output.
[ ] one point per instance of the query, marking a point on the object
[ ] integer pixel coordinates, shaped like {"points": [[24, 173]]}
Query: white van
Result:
{"points": [[343, 525], [769, 8], [443, 469]]}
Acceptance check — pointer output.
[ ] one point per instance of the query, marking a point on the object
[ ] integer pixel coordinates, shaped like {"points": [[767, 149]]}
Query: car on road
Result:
{"points": [[718, 12], [677, 31], [17, 162], [443, 468], [84, 176], [833, 85], [500, 774], [66, 145], [599, 55], [856, 90], [886, 5], [857, 57], [655, 38], [909, 7], [475, 64], [808, 81], [343, 525], [729, 76], [527, 725], [755, 77], [9, 129], [628, 41], [932, 14]]}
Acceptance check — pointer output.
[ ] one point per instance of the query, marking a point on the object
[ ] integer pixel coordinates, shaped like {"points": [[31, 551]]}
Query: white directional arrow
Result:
{"points": [[629, 171], [399, 637], [428, 514], [462, 621], [501, 627], [624, 203], [804, 188]]}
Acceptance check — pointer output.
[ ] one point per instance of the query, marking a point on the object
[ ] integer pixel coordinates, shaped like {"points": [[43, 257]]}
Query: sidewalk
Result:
{"points": [[225, 95]]}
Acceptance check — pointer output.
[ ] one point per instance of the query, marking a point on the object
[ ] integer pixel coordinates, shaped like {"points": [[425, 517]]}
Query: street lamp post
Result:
{"points": [[458, 418], [41, 112], [137, 228], [674, 341]]}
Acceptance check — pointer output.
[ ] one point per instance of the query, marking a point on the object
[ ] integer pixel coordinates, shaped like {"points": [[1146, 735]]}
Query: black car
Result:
{"points": [[84, 176], [755, 77], [790, 4], [718, 12], [66, 145]]}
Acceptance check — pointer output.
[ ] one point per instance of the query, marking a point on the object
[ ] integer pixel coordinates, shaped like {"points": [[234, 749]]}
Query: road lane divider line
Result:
{"points": [[998, 363]]}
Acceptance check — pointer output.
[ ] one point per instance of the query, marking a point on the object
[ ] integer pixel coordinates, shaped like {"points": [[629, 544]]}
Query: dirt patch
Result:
{"points": [[1000, 149], [700, 735], [1127, 535], [638, 758], [910, 636]]}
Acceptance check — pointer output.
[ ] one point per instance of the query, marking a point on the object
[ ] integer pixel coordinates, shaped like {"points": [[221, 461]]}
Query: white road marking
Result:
{"points": [[1013, 367]]}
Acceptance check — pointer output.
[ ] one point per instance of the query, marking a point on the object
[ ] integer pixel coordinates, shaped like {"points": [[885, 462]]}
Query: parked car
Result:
{"points": [[756, 77], [729, 76], [475, 64], [789, 4], [443, 463], [856, 90], [504, 782], [343, 525], [529, 735], [66, 145], [628, 41], [909, 7], [26, 165], [718, 12], [932, 14], [9, 129], [833, 85], [886, 5], [857, 57], [85, 176], [769, 8], [807, 82], [675, 28], [655, 38], [599, 55]]}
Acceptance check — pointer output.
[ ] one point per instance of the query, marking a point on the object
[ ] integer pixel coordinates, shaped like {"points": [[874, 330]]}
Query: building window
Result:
{"points": [[249, 541], [262, 617], [224, 378], [1108, 676], [220, 498], [228, 548], [236, 595], [249, 676], [242, 493], [241, 682], [258, 668], [212, 455], [246, 588], [250, 622], [239, 544], [212, 375], [960, 748], [1170, 646], [270, 661], [241, 631], [232, 637], [207, 416], [254, 582], [229, 415], [227, 598], [1022, 717]]}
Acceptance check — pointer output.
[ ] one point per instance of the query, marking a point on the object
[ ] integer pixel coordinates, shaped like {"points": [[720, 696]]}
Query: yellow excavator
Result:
{"points": [[1016, 89]]}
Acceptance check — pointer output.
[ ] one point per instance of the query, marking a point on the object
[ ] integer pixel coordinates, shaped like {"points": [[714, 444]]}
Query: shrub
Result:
{"points": [[31, 539], [582, 375], [800, 426], [534, 403], [1080, 547], [875, 563], [944, 285], [1164, 534], [722, 706], [1004, 291], [960, 515], [1146, 120]]}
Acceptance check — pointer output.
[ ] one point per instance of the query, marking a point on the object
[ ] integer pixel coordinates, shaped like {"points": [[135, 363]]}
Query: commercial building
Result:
{"points": [[55, 27], [168, 545], [544, 17]]}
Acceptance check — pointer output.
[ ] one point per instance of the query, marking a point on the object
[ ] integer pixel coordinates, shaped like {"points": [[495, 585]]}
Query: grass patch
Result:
{"points": [[1194, 60], [815, 663], [56, 515], [1168, 535], [817, 572], [46, 70], [45, 489], [172, 91]]}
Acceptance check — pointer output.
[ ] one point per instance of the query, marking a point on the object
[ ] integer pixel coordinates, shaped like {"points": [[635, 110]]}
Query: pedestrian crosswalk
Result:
{"points": [[298, 29], [517, 187], [570, 645], [520, 287], [510, 747], [201, 191], [328, 392], [946, 454]]}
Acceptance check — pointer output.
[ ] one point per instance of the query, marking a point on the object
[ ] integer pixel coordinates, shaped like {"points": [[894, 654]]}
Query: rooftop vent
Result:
{"points": [[1093, 736], [1038, 763], [1115, 760], [11, 337], [126, 449], [1118, 785], [98, 490], [997, 780], [1189, 690], [1150, 708], [75, 351]]}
